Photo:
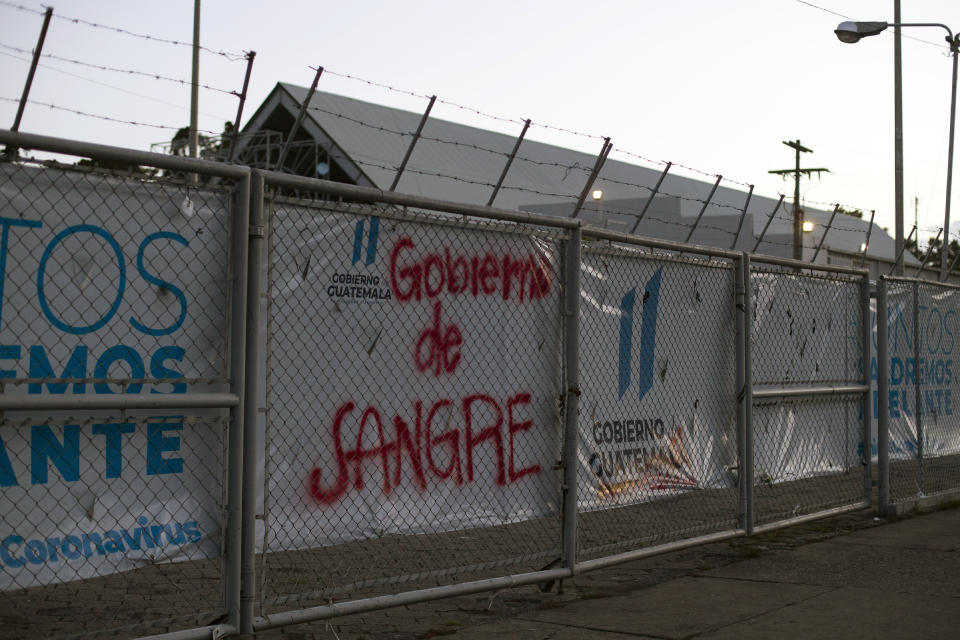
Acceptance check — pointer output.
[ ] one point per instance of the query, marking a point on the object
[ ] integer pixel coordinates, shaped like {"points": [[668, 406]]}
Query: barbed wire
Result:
{"points": [[639, 157], [226, 54], [101, 117], [134, 72], [388, 87], [110, 86]]}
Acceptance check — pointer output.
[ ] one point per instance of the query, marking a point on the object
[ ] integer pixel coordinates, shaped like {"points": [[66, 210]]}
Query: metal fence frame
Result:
{"points": [[240, 580], [237, 275], [887, 505]]}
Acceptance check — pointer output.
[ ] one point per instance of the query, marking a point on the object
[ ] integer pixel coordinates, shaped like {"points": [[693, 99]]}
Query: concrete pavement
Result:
{"points": [[851, 576]]}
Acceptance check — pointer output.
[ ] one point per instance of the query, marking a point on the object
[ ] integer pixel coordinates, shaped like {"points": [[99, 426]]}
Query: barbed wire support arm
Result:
{"points": [[703, 209], [33, 70], [926, 256], [243, 99], [896, 262], [773, 214], [604, 152], [823, 238], [506, 168], [743, 216], [413, 143], [866, 244], [299, 121], [952, 265], [653, 194]]}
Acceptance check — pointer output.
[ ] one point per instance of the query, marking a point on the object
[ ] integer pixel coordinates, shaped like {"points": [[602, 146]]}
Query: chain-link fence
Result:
{"points": [[412, 397], [115, 328], [809, 346], [658, 442], [436, 399], [923, 435]]}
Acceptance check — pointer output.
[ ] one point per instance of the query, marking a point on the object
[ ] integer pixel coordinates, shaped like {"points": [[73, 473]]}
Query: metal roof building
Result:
{"points": [[364, 143]]}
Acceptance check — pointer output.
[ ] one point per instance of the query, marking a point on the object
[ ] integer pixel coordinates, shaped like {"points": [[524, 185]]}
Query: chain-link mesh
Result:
{"points": [[924, 438], [413, 418], [807, 332], [658, 445], [111, 519]]}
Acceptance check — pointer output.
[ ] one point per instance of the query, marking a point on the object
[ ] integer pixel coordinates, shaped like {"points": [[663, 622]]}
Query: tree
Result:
{"points": [[935, 246]]}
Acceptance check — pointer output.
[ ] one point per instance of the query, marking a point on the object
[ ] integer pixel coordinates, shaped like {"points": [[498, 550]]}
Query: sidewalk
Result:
{"points": [[851, 576]]}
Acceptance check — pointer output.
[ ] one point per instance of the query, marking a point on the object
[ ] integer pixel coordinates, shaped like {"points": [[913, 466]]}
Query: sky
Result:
{"points": [[713, 86]]}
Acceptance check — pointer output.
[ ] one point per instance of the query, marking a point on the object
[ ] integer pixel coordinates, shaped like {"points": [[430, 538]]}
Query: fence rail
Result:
{"points": [[264, 399]]}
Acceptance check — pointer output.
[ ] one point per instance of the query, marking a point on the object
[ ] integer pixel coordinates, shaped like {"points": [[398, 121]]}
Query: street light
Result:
{"points": [[851, 32]]}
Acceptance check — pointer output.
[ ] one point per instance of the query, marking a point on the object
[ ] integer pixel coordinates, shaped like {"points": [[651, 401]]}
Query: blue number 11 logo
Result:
{"points": [[648, 334]]}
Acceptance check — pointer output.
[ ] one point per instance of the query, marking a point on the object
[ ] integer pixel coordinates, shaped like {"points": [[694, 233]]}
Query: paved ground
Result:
{"points": [[850, 576]]}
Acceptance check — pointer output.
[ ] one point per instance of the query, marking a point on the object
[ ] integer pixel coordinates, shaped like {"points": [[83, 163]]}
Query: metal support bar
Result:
{"points": [[811, 517], [653, 195], [703, 209], [197, 633], [604, 152], [121, 402], [866, 244], [767, 226], [926, 256], [413, 143], [647, 552], [572, 395], [823, 238], [902, 249], [355, 193], [104, 152], [883, 400], [866, 406], [748, 394], [793, 392], [243, 99], [299, 120], [323, 612], [743, 217], [740, 313], [255, 257], [506, 168], [33, 69], [238, 316]]}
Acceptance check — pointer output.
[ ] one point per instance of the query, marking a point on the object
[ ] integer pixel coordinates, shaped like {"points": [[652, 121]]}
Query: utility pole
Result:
{"points": [[797, 213]]}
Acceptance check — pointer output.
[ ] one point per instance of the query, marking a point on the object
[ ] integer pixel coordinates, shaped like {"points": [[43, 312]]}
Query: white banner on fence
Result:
{"points": [[103, 278], [806, 331], [923, 327], [657, 413], [413, 376]]}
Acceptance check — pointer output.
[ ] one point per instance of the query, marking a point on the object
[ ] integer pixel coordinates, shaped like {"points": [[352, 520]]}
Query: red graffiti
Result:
{"points": [[438, 347], [489, 429], [414, 277]]}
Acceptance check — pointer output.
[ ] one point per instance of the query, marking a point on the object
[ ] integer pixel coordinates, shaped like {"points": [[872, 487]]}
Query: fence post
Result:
{"points": [[572, 395], [918, 392], [238, 314], [255, 235], [866, 404], [740, 320], [883, 402], [748, 392]]}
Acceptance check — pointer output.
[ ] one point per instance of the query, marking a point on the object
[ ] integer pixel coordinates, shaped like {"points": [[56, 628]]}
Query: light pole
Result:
{"points": [[851, 32]]}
